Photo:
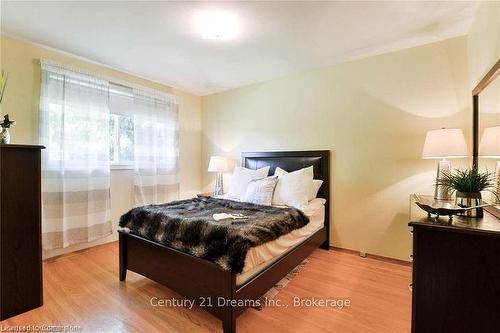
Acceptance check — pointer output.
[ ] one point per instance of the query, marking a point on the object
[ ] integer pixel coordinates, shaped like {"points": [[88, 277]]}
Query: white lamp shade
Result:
{"points": [[490, 143], [218, 164], [445, 143]]}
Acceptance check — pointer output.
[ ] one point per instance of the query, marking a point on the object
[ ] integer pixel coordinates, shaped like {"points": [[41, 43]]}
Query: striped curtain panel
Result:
{"points": [[156, 148], [74, 128]]}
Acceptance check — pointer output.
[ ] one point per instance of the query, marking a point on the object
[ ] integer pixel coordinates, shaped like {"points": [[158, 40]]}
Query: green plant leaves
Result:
{"points": [[468, 181], [3, 84]]}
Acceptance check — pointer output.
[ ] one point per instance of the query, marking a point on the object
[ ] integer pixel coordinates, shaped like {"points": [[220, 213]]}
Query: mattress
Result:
{"points": [[260, 257]]}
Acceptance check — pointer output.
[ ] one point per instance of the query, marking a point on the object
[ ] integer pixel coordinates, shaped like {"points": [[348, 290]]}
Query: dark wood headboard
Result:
{"points": [[295, 160]]}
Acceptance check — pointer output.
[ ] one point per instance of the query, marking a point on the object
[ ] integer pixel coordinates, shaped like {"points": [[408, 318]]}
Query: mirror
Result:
{"points": [[486, 100]]}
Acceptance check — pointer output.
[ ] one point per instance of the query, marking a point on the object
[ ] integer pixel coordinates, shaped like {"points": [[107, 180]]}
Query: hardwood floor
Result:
{"points": [[83, 289]]}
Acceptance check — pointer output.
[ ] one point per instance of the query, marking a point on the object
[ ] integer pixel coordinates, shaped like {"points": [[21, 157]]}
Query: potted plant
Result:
{"points": [[467, 185], [6, 123]]}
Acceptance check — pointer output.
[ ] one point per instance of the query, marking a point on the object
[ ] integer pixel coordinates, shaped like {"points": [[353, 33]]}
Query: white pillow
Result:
{"points": [[241, 178], [315, 184], [313, 190], [292, 188], [260, 191], [279, 172]]}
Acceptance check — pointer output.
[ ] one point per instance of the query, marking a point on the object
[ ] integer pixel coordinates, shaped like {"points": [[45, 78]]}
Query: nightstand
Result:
{"points": [[205, 195]]}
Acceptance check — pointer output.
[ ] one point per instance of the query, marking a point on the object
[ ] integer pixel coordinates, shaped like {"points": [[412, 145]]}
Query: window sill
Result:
{"points": [[121, 167]]}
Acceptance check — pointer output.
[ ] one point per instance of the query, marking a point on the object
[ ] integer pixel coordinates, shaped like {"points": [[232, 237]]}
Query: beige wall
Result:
{"points": [[483, 41], [372, 114], [21, 100]]}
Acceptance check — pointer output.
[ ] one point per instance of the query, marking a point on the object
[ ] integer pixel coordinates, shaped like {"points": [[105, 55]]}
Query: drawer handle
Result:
{"points": [[410, 287]]}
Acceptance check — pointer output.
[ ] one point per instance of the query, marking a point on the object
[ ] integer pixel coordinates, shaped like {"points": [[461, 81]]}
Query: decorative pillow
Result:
{"points": [[292, 188], [315, 184], [279, 172], [241, 177], [313, 190], [260, 191]]}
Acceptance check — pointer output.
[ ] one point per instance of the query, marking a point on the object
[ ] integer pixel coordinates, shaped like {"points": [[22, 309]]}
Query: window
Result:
{"points": [[121, 142], [75, 110], [121, 127]]}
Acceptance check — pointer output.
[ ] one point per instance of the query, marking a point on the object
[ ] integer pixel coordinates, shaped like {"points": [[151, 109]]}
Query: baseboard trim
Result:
{"points": [[73, 253], [334, 248], [373, 256]]}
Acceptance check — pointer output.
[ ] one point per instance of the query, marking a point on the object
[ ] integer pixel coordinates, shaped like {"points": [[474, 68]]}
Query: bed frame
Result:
{"points": [[206, 282]]}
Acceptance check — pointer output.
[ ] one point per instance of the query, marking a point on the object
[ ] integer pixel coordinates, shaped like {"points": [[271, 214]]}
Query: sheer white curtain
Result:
{"points": [[156, 148], [74, 117]]}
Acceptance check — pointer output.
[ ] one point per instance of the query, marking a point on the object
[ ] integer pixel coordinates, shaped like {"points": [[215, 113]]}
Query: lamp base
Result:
{"points": [[441, 192], [219, 186]]}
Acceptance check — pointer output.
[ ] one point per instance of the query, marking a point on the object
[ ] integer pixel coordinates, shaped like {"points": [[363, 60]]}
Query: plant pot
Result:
{"points": [[4, 136], [466, 200]]}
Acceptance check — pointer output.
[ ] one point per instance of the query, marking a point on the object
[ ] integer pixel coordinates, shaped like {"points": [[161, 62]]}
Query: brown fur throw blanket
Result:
{"points": [[188, 226]]}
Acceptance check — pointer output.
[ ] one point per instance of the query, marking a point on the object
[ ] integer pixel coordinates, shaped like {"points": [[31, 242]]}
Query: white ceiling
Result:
{"points": [[158, 40]]}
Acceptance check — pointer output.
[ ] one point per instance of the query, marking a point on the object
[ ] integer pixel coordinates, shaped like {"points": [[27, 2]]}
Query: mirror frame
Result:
{"points": [[492, 74]]}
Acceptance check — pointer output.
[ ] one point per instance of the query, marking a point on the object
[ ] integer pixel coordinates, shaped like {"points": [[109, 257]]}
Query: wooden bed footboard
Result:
{"points": [[189, 276], [199, 280]]}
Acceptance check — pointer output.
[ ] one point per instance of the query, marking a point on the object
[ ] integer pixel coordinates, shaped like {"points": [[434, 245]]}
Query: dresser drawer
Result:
{"points": [[456, 282]]}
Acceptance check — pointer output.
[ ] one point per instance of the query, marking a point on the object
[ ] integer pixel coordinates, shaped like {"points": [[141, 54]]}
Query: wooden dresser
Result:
{"points": [[20, 229], [456, 273]]}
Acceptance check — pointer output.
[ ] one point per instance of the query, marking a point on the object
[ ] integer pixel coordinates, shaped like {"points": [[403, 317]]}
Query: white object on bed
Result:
{"points": [[261, 256], [293, 187], [313, 190], [260, 191], [241, 177], [223, 216]]}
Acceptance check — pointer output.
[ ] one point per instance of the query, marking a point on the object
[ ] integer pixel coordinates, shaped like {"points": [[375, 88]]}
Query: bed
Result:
{"points": [[202, 280]]}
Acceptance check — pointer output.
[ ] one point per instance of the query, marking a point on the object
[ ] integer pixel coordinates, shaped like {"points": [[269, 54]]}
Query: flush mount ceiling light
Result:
{"points": [[215, 24]]}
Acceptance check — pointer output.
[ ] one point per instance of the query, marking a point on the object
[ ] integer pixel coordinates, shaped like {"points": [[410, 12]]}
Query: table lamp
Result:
{"points": [[444, 144], [218, 164], [489, 147]]}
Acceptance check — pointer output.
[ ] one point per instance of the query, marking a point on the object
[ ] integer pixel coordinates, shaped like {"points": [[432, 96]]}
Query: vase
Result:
{"points": [[473, 199], [4, 136]]}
